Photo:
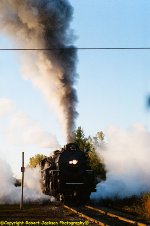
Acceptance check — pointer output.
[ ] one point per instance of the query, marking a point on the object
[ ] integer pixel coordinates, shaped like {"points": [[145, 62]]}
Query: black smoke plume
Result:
{"points": [[45, 24]]}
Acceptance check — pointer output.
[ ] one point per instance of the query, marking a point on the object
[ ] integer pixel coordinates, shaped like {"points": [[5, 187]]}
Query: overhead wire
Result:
{"points": [[79, 48]]}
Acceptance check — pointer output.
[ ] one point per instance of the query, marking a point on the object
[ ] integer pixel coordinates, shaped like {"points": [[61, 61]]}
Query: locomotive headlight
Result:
{"points": [[73, 162]]}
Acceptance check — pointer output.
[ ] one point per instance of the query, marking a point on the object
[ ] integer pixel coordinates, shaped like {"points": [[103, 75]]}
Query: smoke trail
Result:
{"points": [[45, 24], [126, 156]]}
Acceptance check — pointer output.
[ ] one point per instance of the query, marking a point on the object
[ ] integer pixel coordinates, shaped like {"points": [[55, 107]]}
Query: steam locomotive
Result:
{"points": [[66, 175]]}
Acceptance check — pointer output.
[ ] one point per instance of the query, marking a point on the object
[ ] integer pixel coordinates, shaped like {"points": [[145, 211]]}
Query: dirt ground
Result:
{"points": [[35, 214]]}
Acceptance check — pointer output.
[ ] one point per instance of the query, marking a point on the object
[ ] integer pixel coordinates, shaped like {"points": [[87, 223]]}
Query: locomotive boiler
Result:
{"points": [[67, 175]]}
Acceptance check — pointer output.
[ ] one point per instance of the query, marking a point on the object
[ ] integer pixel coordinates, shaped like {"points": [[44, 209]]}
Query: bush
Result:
{"points": [[145, 199], [136, 205]]}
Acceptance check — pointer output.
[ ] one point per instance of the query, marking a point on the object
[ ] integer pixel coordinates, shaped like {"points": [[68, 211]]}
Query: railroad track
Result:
{"points": [[100, 217]]}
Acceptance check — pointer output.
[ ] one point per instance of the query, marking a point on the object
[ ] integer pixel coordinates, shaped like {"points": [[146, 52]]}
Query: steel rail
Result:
{"points": [[85, 216], [115, 216]]}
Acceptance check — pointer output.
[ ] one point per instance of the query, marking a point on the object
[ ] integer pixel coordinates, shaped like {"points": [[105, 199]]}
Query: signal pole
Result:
{"points": [[22, 181]]}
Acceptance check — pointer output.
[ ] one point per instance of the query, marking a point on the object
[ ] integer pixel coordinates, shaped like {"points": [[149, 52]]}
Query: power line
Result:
{"points": [[76, 48]]}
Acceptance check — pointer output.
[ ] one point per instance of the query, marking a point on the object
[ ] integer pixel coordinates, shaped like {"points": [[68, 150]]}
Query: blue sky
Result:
{"points": [[112, 84]]}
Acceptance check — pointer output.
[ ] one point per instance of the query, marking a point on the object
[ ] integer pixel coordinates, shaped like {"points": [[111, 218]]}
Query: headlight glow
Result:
{"points": [[73, 162]]}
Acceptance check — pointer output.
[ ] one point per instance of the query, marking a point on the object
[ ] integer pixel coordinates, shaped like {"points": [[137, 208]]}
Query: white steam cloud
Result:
{"points": [[21, 130], [6, 106], [45, 25], [9, 194], [126, 156]]}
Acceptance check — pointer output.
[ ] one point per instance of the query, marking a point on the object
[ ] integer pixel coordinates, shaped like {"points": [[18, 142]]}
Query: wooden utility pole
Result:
{"points": [[22, 181]]}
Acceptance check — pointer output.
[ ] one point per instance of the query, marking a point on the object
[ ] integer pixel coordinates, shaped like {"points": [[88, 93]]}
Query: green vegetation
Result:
{"points": [[34, 161], [89, 146], [81, 140]]}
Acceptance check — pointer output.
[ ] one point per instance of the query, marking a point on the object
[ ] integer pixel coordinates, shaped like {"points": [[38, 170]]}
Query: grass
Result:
{"points": [[37, 212], [30, 212]]}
